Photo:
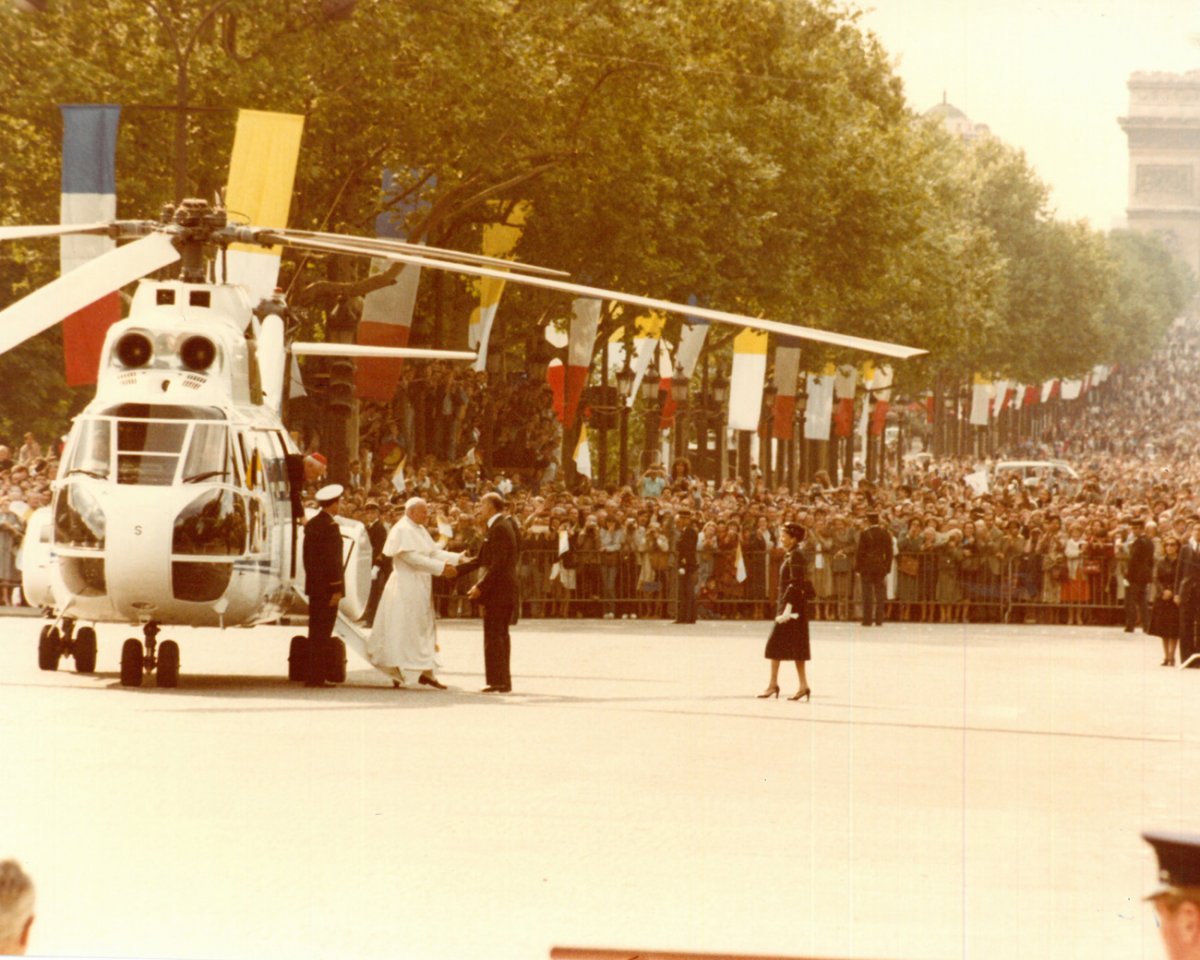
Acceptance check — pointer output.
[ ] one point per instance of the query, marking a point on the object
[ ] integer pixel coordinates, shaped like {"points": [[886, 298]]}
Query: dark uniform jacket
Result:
{"points": [[875, 552], [498, 557], [687, 549], [323, 557]]}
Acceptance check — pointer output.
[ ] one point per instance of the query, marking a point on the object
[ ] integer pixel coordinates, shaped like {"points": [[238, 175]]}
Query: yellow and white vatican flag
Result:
{"points": [[583, 454], [262, 174], [647, 332], [981, 401], [741, 566], [747, 379], [499, 240]]}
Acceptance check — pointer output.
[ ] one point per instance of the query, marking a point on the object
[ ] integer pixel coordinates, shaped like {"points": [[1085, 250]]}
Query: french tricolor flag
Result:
{"points": [[89, 195]]}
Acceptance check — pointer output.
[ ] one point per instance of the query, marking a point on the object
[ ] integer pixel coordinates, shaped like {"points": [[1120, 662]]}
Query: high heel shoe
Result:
{"points": [[802, 694], [769, 692]]}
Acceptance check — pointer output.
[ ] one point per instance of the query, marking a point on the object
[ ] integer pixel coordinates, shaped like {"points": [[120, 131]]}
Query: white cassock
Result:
{"points": [[405, 631]]}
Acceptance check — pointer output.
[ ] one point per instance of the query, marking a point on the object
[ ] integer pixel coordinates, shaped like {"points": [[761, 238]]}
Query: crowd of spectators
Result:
{"points": [[1051, 552], [449, 412], [24, 486]]}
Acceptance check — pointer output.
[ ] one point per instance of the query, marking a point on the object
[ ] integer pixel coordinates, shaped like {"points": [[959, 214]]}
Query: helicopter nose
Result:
{"points": [[138, 561]]}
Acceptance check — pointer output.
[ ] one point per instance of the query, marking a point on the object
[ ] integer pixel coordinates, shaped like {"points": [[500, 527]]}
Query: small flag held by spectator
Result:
{"points": [[741, 565], [398, 476]]}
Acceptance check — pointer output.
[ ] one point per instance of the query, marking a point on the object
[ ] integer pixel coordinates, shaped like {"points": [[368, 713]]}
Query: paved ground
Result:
{"points": [[949, 792]]}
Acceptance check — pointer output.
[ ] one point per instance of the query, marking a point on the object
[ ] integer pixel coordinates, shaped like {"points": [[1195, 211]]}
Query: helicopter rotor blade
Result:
{"points": [[880, 347], [366, 350], [86, 284], [52, 230], [382, 245]]}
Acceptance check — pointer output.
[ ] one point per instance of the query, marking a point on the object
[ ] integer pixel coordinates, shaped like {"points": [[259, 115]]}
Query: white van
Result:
{"points": [[1053, 473]]}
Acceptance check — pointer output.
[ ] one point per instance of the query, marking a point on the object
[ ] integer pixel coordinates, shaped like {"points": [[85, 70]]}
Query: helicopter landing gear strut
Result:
{"points": [[58, 640], [161, 660]]}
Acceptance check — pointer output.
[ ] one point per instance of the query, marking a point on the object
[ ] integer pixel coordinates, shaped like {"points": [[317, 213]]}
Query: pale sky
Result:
{"points": [[1048, 77]]}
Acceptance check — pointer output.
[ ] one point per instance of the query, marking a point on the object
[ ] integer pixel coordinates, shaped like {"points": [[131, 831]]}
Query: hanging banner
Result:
{"points": [[585, 321], [981, 399], [787, 367], [844, 384], [648, 330], [499, 240], [262, 174], [583, 454], [818, 414], [387, 313], [556, 380], [881, 390], [747, 379], [89, 195]]}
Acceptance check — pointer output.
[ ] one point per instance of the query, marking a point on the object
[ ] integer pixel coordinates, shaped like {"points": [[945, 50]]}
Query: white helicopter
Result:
{"points": [[178, 498]]}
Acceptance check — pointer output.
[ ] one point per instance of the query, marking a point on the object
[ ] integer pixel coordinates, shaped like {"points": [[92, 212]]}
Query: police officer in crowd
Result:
{"points": [[1177, 901]]}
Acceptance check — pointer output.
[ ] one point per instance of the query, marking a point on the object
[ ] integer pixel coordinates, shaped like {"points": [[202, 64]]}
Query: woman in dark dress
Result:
{"points": [[789, 638], [1164, 617]]}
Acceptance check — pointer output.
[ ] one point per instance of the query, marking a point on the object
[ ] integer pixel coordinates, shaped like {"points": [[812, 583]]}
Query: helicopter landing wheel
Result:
{"points": [[49, 647], [168, 664], [132, 663], [85, 650], [298, 659]]}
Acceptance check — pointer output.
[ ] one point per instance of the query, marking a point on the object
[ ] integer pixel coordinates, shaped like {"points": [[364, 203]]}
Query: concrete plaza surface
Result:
{"points": [[950, 791]]}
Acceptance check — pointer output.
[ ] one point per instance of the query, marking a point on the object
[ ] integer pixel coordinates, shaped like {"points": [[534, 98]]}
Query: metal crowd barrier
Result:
{"points": [[932, 586]]}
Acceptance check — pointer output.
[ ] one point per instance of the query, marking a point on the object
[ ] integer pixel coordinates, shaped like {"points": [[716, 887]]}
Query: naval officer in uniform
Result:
{"points": [[323, 580]]}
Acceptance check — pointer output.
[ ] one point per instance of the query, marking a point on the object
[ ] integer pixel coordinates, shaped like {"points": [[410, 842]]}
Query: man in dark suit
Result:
{"points": [[381, 567], [685, 547], [496, 590], [323, 580], [872, 561], [1138, 575], [1187, 593]]}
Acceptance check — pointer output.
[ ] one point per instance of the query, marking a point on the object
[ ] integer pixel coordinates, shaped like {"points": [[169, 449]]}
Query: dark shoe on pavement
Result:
{"points": [[431, 681]]}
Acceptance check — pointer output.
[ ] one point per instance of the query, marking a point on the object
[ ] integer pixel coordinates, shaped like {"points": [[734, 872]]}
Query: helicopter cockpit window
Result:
{"points": [[214, 524], [90, 454], [208, 455], [148, 451]]}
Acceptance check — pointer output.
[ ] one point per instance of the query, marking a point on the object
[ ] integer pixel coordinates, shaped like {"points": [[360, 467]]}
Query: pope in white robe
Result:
{"points": [[404, 637]]}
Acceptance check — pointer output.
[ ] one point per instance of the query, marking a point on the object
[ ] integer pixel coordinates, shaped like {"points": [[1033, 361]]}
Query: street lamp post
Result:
{"points": [[798, 432], [679, 394], [770, 392], [651, 395], [720, 395], [625, 380]]}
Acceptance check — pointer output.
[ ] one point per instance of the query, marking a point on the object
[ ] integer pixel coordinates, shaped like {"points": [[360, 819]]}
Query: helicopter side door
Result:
{"points": [[271, 521]]}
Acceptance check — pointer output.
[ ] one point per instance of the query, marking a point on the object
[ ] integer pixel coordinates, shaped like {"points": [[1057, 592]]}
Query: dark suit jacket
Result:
{"points": [[323, 557], [687, 549], [377, 534], [1187, 575], [498, 558], [1141, 561]]}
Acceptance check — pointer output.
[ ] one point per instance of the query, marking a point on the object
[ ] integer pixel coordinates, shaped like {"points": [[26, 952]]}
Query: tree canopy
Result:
{"points": [[755, 154]]}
